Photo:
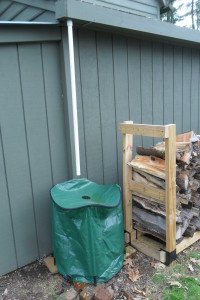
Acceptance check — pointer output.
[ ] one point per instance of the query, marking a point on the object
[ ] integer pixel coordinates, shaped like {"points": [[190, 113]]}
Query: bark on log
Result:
{"points": [[154, 207], [196, 222], [151, 152], [190, 231], [157, 208], [156, 224]]}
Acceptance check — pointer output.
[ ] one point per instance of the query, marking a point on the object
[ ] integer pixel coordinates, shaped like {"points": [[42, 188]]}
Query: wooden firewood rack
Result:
{"points": [[164, 252]]}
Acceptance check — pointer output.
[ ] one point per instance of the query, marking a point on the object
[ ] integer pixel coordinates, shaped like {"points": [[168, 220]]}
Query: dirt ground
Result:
{"points": [[141, 278]]}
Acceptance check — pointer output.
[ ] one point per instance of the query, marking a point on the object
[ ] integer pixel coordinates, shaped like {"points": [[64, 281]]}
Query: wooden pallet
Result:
{"points": [[164, 252]]}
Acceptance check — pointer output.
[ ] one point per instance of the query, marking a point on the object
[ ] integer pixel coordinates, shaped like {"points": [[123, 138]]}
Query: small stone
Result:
{"points": [[102, 293], [71, 294], [5, 293], [49, 262], [116, 288], [59, 290], [111, 291], [87, 293]]}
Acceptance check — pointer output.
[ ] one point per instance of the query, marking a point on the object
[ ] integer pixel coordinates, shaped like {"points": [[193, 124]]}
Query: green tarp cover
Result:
{"points": [[87, 227]]}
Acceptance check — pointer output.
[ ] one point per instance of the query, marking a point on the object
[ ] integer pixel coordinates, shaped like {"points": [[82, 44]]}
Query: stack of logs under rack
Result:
{"points": [[161, 190], [148, 167]]}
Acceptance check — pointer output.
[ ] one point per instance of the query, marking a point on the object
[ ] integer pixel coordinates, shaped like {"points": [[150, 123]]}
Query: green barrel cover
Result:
{"points": [[88, 235]]}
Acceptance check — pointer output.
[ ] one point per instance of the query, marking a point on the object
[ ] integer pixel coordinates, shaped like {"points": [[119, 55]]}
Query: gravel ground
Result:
{"points": [[133, 282]]}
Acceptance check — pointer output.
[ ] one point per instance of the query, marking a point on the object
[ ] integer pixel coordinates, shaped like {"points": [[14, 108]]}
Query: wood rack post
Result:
{"points": [[165, 253]]}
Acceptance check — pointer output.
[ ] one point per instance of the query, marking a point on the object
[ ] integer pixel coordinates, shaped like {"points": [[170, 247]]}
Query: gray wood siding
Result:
{"points": [[118, 78], [27, 10], [19, 10], [125, 78], [145, 8], [33, 149]]}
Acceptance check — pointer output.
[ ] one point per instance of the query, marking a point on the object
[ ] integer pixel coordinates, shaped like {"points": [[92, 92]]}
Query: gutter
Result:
{"points": [[28, 23]]}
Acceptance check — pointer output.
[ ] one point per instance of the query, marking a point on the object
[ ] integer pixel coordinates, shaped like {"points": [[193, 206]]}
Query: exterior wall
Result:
{"points": [[123, 78], [118, 78], [145, 8], [33, 149]]}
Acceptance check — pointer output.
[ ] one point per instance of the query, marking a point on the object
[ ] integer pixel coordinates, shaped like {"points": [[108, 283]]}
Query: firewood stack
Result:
{"points": [[148, 167]]}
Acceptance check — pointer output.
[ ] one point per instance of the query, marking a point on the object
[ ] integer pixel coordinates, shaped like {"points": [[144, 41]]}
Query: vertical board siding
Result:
{"points": [[57, 138], [7, 248], [107, 106], [134, 79], [187, 65], [194, 91], [168, 82], [178, 88], [127, 78], [147, 87], [33, 154], [158, 88], [120, 68], [91, 105], [33, 95], [16, 158], [57, 134]]}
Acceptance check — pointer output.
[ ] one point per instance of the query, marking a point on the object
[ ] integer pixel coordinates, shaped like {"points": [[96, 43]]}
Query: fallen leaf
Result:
{"points": [[152, 264], [128, 262], [130, 252], [159, 266], [190, 267], [175, 283], [178, 275], [141, 293], [134, 275], [127, 295], [5, 293], [195, 261], [79, 285]]}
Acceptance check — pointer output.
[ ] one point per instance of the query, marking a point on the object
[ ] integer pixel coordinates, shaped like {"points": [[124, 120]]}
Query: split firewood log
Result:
{"points": [[182, 180], [183, 151], [156, 224], [136, 176], [185, 158], [196, 222], [155, 207], [190, 230], [150, 164], [185, 137], [143, 177]]}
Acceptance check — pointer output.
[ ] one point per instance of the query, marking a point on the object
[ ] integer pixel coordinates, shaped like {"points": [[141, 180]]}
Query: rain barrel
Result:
{"points": [[87, 230]]}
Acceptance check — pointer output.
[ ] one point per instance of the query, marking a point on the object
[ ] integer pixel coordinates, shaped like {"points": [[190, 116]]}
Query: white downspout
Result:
{"points": [[74, 98]]}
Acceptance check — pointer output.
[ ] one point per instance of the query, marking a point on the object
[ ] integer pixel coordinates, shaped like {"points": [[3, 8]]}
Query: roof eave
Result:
{"points": [[114, 20]]}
